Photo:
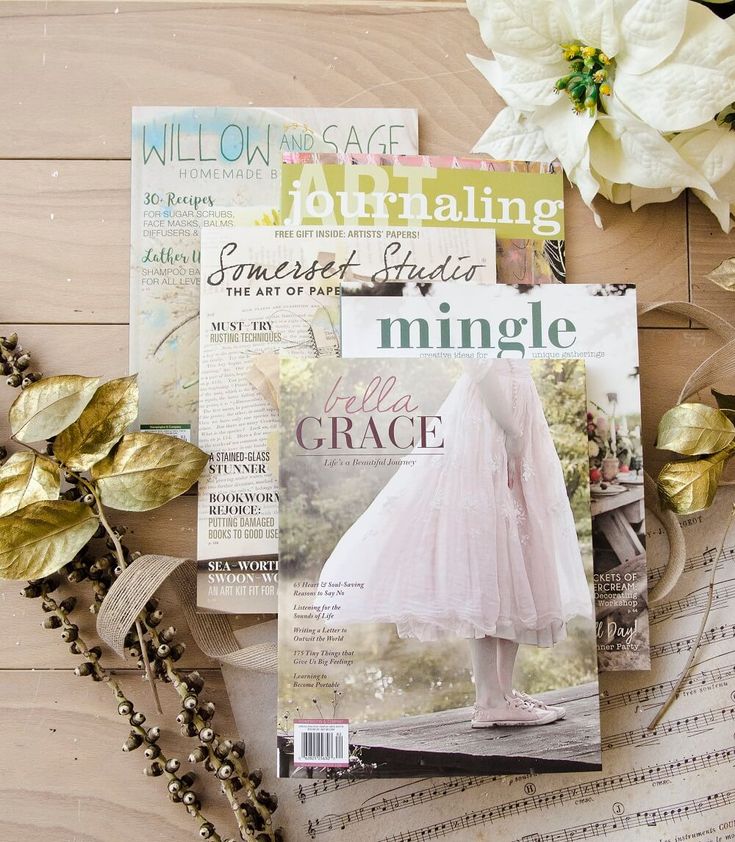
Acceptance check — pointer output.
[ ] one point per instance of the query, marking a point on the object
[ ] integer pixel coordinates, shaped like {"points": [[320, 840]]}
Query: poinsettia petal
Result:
{"points": [[630, 152], [566, 133], [651, 29], [596, 24], [522, 27], [512, 137], [640, 196], [709, 149], [531, 82], [722, 210], [518, 81], [693, 84]]}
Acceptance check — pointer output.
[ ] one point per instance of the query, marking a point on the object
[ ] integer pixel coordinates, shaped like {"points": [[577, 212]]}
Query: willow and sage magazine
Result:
{"points": [[186, 163], [266, 290], [596, 322], [522, 202], [429, 522]]}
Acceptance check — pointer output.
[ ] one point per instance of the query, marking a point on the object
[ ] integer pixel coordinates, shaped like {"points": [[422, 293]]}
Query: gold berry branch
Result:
{"points": [[50, 530]]}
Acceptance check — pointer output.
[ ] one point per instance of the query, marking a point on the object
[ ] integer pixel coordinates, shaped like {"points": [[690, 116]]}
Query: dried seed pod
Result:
{"points": [[75, 649], [152, 752], [223, 749], [177, 651], [95, 653], [68, 604], [52, 622], [154, 618], [238, 749], [173, 764], [183, 717], [208, 765], [267, 799], [154, 770], [188, 779], [153, 735], [236, 784], [9, 342], [70, 633], [88, 499], [22, 361], [175, 786], [225, 771], [206, 711], [84, 669], [190, 729], [152, 604], [137, 719], [199, 754], [31, 591], [194, 682], [189, 797], [133, 741], [125, 708], [256, 777], [206, 735], [206, 830], [163, 651], [48, 605], [190, 703], [14, 381], [167, 635]]}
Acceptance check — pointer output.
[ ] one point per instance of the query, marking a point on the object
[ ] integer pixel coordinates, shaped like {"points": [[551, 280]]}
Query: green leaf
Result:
{"points": [[724, 274], [689, 485], [146, 470], [724, 401], [45, 408], [26, 478], [42, 537], [105, 418], [694, 429]]}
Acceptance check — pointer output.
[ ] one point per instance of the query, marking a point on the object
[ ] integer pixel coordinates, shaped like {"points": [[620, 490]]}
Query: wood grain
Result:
{"points": [[708, 247], [70, 782], [412, 57]]}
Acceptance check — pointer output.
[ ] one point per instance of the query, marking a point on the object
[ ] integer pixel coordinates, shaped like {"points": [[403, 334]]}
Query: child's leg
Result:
{"points": [[488, 691], [506, 659]]}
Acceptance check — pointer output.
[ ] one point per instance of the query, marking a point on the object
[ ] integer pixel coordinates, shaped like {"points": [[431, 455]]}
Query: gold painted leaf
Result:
{"points": [[724, 274], [42, 537], [694, 429], [45, 408], [146, 470], [103, 421], [26, 478], [689, 485]]}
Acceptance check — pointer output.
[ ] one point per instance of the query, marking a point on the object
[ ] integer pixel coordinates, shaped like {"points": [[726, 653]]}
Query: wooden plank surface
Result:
{"points": [[71, 73], [67, 779]]}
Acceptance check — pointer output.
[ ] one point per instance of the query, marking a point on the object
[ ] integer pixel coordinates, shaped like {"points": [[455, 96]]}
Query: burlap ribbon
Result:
{"points": [[213, 633]]}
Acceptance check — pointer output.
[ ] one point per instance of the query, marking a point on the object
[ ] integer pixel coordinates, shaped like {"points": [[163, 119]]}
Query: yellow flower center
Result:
{"points": [[589, 79]]}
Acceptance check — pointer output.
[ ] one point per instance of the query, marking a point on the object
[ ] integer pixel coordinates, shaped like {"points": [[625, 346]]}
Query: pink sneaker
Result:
{"points": [[558, 710], [515, 712]]}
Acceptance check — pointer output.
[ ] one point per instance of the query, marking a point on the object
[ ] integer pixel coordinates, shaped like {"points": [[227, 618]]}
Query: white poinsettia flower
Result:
{"points": [[637, 72]]}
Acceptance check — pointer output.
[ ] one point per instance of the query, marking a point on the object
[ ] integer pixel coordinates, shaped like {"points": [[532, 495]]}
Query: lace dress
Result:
{"points": [[446, 548]]}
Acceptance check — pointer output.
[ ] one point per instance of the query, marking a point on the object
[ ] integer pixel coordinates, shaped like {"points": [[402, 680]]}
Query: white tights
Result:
{"points": [[493, 659]]}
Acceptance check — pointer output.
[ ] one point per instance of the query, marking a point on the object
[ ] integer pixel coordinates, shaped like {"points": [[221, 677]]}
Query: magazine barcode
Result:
{"points": [[318, 743]]}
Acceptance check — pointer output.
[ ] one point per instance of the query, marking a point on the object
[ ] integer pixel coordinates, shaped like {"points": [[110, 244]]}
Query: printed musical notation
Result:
{"points": [[562, 796], [650, 779]]}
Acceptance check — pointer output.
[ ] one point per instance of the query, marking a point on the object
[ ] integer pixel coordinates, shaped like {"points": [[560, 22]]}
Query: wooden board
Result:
{"points": [[71, 73]]}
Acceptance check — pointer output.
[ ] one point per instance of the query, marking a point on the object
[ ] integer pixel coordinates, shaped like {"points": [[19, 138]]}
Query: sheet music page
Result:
{"points": [[670, 785]]}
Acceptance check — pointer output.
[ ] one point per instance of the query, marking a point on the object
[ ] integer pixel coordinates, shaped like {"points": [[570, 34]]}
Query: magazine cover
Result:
{"points": [[267, 289], [435, 555], [592, 321], [187, 163], [522, 202]]}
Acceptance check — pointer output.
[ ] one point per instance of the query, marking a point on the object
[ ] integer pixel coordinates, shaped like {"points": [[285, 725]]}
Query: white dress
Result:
{"points": [[446, 548]]}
